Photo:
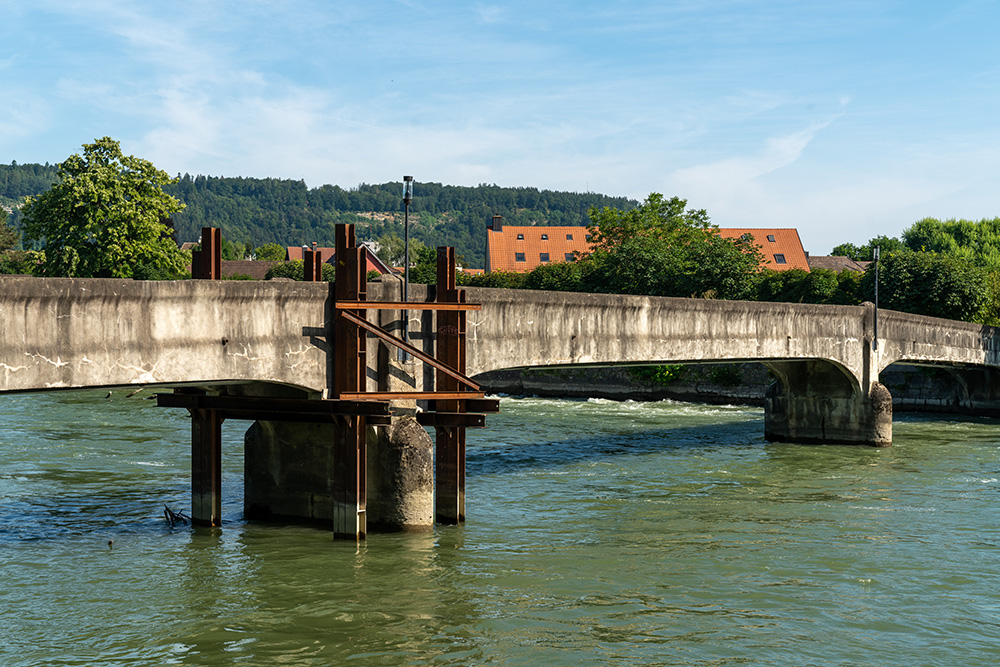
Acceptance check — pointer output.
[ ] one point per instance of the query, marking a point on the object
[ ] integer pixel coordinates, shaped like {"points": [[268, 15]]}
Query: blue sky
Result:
{"points": [[843, 119]]}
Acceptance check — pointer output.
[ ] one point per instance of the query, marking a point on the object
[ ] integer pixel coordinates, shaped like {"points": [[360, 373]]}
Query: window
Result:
{"points": [[518, 256], [779, 259], [545, 237], [570, 257], [588, 237], [543, 256], [569, 237], [770, 237], [520, 237], [746, 237]]}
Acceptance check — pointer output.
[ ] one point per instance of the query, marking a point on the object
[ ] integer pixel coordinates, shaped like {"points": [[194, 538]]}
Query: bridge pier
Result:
{"points": [[815, 402], [206, 467]]}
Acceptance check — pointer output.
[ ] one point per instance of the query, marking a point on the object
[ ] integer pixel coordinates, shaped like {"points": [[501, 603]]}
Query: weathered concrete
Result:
{"points": [[58, 333], [401, 477], [288, 472]]}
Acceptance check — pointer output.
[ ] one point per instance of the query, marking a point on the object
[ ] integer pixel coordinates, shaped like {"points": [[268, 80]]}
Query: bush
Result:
{"points": [[296, 270], [25, 262]]}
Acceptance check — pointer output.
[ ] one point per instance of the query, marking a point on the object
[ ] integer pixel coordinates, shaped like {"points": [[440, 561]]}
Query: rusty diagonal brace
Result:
{"points": [[392, 340]]}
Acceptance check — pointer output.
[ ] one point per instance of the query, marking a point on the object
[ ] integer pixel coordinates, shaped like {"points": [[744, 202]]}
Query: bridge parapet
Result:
{"points": [[70, 332]]}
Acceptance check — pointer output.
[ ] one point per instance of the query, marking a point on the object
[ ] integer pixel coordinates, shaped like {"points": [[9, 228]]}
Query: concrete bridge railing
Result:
{"points": [[63, 333]]}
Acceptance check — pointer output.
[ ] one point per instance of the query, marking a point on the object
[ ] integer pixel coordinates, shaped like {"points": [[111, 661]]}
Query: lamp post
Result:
{"points": [[407, 198], [876, 255]]}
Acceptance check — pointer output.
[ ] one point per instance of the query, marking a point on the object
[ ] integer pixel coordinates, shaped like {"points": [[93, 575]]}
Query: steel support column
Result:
{"points": [[206, 467], [349, 376], [450, 441]]}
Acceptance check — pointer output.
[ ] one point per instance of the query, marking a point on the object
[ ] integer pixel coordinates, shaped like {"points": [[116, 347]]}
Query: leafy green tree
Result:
{"points": [[105, 216], [424, 269], [654, 218], [9, 236], [929, 283], [816, 286], [661, 249], [24, 262], [866, 253], [271, 252]]}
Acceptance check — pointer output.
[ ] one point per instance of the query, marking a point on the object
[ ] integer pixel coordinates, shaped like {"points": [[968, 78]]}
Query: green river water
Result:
{"points": [[598, 533]]}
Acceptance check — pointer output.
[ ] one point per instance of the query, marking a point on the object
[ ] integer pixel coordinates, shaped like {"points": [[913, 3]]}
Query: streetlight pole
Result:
{"points": [[876, 256], [407, 198]]}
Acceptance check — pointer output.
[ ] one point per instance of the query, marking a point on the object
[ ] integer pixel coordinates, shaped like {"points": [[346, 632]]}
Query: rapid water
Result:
{"points": [[598, 533]]}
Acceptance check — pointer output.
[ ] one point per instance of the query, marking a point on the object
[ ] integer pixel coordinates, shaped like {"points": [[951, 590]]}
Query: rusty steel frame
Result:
{"points": [[349, 406]]}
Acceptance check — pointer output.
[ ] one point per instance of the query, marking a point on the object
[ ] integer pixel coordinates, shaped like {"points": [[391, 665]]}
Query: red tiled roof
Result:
{"points": [[781, 248], [256, 269], [521, 249]]}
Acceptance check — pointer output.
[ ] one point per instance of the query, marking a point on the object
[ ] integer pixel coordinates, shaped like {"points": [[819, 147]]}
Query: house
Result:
{"points": [[521, 249], [836, 263], [295, 253], [782, 248]]}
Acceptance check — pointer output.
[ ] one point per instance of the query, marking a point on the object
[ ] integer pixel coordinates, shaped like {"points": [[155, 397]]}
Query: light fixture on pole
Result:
{"points": [[875, 256], [407, 198]]}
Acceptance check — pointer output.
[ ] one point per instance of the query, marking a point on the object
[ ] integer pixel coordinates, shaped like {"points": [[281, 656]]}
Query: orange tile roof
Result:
{"points": [[521, 249], [781, 248]]}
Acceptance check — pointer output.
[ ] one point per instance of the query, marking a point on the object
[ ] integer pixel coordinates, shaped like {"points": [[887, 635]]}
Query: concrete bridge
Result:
{"points": [[71, 333], [273, 339]]}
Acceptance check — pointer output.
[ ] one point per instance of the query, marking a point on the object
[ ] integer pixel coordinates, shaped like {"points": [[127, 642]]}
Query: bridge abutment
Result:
{"points": [[815, 402]]}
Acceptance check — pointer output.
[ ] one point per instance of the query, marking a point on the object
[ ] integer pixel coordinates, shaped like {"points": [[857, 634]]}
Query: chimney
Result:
{"points": [[497, 224]]}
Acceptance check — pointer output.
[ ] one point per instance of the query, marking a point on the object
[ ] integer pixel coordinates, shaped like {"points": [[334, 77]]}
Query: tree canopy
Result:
{"points": [[105, 216], [663, 249]]}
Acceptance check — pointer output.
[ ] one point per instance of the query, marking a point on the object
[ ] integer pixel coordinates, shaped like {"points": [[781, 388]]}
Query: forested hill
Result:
{"points": [[256, 211]]}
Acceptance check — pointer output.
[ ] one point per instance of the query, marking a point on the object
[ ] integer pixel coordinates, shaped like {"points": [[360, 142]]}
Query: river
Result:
{"points": [[598, 533]]}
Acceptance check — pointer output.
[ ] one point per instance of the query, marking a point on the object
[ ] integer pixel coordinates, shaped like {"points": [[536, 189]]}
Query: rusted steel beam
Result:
{"points": [[450, 440], [489, 405], [392, 340], [257, 403], [312, 265], [350, 469], [452, 419], [206, 467], [206, 264], [414, 395], [406, 305], [349, 483]]}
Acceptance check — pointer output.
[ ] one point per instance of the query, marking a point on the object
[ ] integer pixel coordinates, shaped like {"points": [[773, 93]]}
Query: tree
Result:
{"points": [[655, 218], [105, 216], [661, 249], [8, 235], [866, 253], [927, 283], [271, 252]]}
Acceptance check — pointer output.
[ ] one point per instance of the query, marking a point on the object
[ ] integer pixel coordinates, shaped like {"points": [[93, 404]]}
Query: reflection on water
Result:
{"points": [[599, 533]]}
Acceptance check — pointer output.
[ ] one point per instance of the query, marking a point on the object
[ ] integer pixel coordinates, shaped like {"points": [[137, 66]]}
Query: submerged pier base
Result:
{"points": [[291, 474]]}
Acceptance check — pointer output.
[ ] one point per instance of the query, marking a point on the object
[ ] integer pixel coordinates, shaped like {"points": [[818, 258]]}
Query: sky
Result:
{"points": [[845, 120]]}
